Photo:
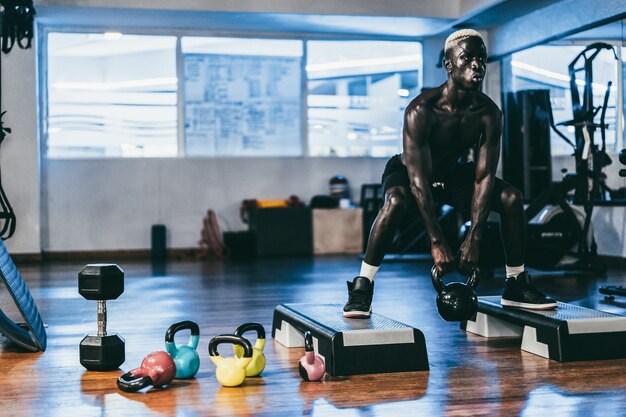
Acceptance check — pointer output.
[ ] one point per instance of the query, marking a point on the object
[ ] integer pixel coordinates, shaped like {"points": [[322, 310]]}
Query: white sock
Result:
{"points": [[514, 271], [368, 271]]}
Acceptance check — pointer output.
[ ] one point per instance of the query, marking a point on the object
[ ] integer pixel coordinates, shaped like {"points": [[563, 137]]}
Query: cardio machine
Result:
{"points": [[586, 183], [559, 231]]}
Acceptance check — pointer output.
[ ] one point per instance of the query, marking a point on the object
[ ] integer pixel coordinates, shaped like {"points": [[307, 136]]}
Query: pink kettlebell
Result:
{"points": [[311, 366], [157, 369]]}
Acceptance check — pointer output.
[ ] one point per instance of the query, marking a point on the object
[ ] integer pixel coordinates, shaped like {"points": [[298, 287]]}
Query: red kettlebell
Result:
{"points": [[157, 369], [311, 366]]}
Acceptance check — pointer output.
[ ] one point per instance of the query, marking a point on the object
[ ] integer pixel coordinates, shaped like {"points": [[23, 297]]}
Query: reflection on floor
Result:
{"points": [[469, 375]]}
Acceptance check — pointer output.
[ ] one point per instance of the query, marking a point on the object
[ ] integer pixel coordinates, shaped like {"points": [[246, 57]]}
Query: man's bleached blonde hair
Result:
{"points": [[458, 36]]}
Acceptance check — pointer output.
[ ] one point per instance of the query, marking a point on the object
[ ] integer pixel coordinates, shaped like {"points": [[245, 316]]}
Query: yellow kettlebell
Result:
{"points": [[256, 366], [231, 371]]}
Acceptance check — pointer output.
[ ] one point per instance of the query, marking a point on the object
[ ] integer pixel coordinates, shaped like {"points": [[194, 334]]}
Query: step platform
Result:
{"points": [[351, 346], [569, 333]]}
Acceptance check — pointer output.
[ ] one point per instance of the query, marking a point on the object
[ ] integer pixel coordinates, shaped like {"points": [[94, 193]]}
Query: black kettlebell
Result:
{"points": [[456, 301]]}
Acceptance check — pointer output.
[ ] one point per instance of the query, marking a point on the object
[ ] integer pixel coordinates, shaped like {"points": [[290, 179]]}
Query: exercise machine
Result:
{"points": [[560, 234], [572, 223]]}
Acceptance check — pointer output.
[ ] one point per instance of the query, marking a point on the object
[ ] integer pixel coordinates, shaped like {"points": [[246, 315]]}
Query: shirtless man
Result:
{"points": [[440, 126]]}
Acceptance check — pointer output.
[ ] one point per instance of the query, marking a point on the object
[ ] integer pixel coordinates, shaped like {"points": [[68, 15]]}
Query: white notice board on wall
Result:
{"points": [[242, 105]]}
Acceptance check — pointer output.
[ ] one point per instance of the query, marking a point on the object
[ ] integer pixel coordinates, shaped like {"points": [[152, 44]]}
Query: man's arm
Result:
{"points": [[486, 165], [418, 122]]}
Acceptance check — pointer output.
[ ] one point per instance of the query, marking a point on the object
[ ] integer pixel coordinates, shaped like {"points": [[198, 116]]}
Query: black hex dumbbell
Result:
{"points": [[101, 282]]}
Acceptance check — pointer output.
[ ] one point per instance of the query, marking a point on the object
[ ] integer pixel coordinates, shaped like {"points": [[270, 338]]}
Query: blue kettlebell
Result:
{"points": [[185, 357]]}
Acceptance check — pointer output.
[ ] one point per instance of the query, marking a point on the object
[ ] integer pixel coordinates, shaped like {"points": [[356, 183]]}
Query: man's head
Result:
{"points": [[465, 58]]}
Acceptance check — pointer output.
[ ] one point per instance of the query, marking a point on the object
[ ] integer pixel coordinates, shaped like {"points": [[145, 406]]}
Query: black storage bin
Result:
{"points": [[282, 231], [158, 251]]}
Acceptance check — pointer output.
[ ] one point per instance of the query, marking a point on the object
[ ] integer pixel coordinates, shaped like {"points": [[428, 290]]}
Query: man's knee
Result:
{"points": [[395, 203], [512, 199]]}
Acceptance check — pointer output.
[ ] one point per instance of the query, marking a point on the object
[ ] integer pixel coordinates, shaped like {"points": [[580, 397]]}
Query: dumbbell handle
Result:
{"points": [[102, 318]]}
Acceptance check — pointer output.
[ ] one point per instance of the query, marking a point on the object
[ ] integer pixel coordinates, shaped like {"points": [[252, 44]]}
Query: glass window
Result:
{"points": [[111, 95], [357, 93], [242, 97], [115, 95]]}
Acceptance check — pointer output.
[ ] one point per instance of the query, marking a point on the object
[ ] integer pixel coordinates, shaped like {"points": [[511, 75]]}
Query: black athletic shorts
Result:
{"points": [[455, 191]]}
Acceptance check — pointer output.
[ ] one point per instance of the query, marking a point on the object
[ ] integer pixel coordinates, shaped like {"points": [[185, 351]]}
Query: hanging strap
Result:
{"points": [[17, 24], [212, 244]]}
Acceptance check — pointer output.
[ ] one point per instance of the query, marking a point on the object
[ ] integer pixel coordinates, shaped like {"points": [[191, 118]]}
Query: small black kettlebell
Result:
{"points": [[456, 301]]}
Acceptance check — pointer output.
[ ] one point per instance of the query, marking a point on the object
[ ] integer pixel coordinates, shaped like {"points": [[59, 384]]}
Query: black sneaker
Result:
{"points": [[360, 292], [519, 292]]}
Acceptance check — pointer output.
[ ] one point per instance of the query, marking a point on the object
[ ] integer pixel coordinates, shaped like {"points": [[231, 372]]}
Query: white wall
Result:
{"points": [[431, 75], [111, 204], [609, 229], [19, 156]]}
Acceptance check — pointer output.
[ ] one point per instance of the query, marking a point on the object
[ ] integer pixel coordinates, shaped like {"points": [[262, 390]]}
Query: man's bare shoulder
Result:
{"points": [[424, 103]]}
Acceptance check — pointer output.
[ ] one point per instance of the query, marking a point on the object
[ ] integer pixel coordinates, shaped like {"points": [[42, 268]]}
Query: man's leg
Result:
{"points": [[397, 197], [518, 291], [509, 204], [385, 225], [395, 182], [361, 289]]}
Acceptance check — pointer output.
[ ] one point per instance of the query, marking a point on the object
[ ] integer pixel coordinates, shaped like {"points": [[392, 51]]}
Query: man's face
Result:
{"points": [[466, 63]]}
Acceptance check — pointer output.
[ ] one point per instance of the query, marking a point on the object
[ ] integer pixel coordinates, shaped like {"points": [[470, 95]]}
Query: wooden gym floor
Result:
{"points": [[469, 375]]}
